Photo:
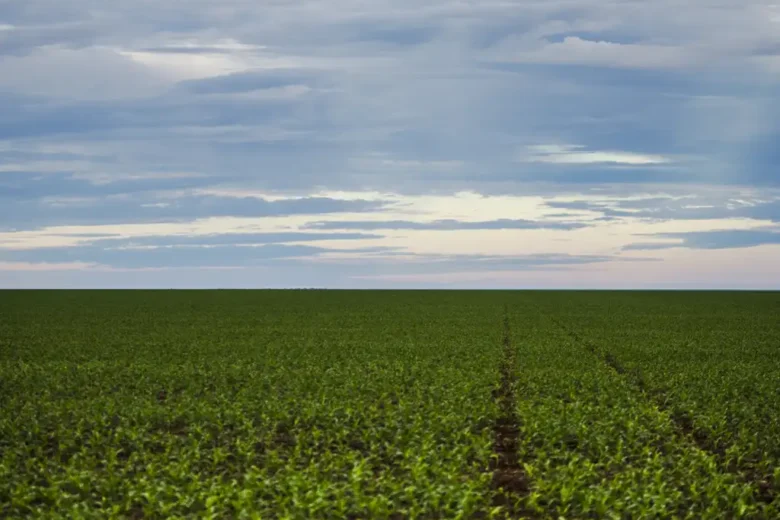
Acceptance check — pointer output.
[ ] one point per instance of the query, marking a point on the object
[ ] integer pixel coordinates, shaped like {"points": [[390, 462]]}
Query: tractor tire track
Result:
{"points": [[682, 423], [510, 482]]}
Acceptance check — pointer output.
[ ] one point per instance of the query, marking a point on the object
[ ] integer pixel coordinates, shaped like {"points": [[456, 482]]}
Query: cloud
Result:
{"points": [[177, 66], [573, 154], [438, 262], [727, 205], [249, 81], [86, 74], [575, 50], [396, 34], [720, 239], [242, 239], [26, 208], [147, 121], [445, 225], [45, 266], [588, 206], [360, 261], [162, 257], [385, 271]]}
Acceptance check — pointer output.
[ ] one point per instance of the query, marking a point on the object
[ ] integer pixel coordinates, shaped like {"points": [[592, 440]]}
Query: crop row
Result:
{"points": [[317, 404], [713, 363], [345, 411], [707, 362], [594, 446]]}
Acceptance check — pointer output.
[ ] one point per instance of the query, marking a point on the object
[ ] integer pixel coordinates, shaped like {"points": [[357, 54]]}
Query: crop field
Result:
{"points": [[380, 404]]}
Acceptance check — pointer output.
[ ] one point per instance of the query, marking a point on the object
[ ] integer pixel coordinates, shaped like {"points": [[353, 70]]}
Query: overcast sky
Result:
{"points": [[390, 143]]}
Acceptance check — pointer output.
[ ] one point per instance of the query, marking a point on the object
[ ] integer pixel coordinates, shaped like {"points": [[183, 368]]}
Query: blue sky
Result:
{"points": [[425, 143]]}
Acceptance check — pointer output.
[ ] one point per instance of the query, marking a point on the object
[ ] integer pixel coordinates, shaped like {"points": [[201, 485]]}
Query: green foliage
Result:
{"points": [[595, 447], [246, 405], [710, 362], [315, 404]]}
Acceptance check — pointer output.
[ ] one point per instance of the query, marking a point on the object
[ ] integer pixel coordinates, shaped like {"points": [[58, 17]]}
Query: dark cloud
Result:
{"points": [[248, 81], [690, 208], [650, 246], [430, 264], [27, 188], [274, 255], [122, 256], [590, 206], [16, 213], [30, 116], [227, 239], [394, 34], [721, 239], [407, 98], [308, 273], [584, 175], [644, 82], [216, 256], [762, 157], [26, 39]]}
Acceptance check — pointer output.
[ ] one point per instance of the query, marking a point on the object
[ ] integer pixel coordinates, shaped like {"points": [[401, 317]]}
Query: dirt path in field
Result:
{"points": [[509, 479], [764, 490]]}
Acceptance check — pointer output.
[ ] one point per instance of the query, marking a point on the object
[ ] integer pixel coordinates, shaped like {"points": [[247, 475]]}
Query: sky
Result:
{"points": [[491, 144]]}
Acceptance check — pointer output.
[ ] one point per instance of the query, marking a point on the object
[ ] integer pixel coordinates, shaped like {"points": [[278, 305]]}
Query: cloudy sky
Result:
{"points": [[390, 143]]}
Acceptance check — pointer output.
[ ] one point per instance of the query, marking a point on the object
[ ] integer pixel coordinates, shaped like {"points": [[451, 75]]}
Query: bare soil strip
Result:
{"points": [[682, 423], [509, 479]]}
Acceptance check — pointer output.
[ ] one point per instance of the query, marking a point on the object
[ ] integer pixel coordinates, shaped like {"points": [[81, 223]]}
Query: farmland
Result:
{"points": [[414, 404]]}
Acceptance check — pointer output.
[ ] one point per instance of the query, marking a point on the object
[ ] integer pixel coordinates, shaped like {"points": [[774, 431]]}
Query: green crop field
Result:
{"points": [[371, 404]]}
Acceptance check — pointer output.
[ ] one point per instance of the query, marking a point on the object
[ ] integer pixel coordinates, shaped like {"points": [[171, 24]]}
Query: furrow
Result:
{"points": [[510, 482], [682, 423]]}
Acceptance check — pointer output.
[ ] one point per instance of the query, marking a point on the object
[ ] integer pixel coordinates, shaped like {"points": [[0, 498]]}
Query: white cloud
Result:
{"points": [[98, 177], [199, 59], [420, 96], [45, 266], [177, 66], [574, 154], [575, 50], [219, 46], [379, 162], [598, 238]]}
